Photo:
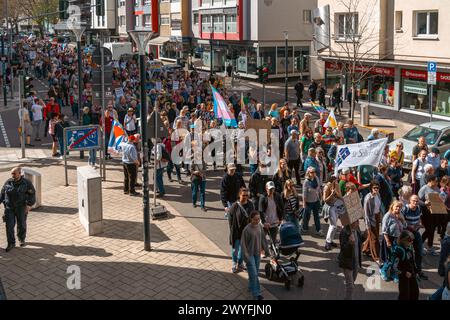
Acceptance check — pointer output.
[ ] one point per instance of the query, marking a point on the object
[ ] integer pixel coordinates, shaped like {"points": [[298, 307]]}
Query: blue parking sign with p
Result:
{"points": [[432, 66]]}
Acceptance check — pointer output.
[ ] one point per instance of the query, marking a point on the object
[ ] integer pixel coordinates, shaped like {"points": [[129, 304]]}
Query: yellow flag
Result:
{"points": [[331, 121]]}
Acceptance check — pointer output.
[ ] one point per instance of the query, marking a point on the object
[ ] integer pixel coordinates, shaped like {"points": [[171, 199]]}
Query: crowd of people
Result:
{"points": [[396, 209]]}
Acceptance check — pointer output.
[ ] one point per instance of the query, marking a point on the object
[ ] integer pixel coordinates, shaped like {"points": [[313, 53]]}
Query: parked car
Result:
{"points": [[436, 133]]}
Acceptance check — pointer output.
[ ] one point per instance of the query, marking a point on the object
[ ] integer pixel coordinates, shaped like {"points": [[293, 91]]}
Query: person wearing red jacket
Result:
{"points": [[110, 115], [51, 107], [167, 141]]}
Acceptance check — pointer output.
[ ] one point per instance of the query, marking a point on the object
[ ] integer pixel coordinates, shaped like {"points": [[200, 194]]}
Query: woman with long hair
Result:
{"points": [[392, 226], [332, 203], [281, 176], [291, 203]]}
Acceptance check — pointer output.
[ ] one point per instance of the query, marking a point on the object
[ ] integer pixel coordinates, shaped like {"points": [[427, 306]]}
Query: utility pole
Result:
{"points": [[286, 63], [5, 98]]}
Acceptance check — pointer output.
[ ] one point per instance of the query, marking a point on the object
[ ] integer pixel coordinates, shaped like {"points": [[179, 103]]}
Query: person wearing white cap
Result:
{"points": [[272, 210]]}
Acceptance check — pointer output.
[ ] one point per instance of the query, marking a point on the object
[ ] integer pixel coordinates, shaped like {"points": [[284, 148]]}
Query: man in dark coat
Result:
{"points": [[238, 219], [230, 186], [18, 196], [299, 88]]}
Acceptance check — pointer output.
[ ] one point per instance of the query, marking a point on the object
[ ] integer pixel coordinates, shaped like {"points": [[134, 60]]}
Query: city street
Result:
{"points": [[172, 86]]}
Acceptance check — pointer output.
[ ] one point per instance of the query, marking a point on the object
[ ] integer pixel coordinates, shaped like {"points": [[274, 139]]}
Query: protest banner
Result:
{"points": [[364, 153], [437, 205], [353, 209], [176, 85]]}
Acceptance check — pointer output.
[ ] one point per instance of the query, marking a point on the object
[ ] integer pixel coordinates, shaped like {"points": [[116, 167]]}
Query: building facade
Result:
{"points": [[250, 33], [392, 69], [174, 30], [104, 21]]}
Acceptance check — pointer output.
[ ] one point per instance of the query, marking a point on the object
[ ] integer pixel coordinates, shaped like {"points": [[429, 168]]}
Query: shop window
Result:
{"points": [[216, 2], [281, 58], [426, 23], [206, 3], [268, 56], [346, 27], [301, 59]]}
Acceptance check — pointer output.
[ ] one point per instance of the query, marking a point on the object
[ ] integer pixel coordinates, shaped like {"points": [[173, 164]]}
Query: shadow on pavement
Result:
{"points": [[130, 230], [56, 210]]}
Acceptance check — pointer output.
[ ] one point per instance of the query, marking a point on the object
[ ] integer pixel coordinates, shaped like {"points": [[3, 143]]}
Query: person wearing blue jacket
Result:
{"points": [[311, 161]]}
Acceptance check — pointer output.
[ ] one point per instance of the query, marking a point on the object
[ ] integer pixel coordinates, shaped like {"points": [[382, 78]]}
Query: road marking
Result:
{"points": [[5, 136]]}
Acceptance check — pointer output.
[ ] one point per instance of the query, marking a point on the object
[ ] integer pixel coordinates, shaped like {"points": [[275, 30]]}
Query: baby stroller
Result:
{"points": [[290, 243]]}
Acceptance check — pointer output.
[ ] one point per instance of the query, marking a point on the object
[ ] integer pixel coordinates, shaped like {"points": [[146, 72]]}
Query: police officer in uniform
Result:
{"points": [[18, 196]]}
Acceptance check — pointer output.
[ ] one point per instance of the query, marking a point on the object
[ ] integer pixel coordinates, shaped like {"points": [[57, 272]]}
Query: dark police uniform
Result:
{"points": [[16, 196]]}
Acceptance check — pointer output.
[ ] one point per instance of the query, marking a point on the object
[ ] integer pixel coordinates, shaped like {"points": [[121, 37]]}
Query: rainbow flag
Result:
{"points": [[118, 135], [317, 107], [221, 110]]}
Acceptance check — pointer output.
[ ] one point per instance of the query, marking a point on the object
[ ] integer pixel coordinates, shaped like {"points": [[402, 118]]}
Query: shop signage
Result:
{"points": [[423, 75], [417, 87], [390, 72]]}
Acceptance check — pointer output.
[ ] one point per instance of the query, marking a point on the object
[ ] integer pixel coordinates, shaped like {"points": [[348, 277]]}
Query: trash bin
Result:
{"points": [[36, 179], [364, 114], [90, 200]]}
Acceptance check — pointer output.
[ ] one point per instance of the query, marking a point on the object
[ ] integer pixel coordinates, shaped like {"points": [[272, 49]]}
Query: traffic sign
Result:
{"points": [[82, 138], [432, 68]]}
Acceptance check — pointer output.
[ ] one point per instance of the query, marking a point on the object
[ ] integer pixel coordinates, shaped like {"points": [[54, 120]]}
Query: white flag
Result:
{"points": [[364, 153]]}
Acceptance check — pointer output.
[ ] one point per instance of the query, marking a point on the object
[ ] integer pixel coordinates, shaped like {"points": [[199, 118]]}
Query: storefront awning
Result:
{"points": [[159, 41], [393, 63]]}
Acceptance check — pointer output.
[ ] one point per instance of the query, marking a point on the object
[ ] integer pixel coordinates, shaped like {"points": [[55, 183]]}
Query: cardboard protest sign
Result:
{"points": [[437, 205], [119, 92], [259, 125], [353, 209]]}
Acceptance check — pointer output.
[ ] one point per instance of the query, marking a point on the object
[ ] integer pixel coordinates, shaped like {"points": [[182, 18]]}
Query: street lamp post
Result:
{"points": [[78, 34], [141, 39], [5, 98], [286, 61], [211, 35]]}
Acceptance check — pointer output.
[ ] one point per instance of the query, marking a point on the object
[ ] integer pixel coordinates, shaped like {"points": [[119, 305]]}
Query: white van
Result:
{"points": [[118, 48]]}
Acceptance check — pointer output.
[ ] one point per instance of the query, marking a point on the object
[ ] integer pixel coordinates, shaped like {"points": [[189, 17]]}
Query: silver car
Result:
{"points": [[436, 133]]}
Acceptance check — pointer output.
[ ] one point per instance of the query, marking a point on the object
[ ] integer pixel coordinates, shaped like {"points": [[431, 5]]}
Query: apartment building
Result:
{"points": [[104, 17], [175, 36], [396, 39], [249, 33]]}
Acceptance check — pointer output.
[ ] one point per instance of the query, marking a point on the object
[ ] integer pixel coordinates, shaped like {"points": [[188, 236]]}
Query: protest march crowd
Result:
{"points": [[310, 178]]}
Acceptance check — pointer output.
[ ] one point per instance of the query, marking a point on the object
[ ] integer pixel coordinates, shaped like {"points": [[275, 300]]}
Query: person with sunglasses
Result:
{"points": [[372, 218]]}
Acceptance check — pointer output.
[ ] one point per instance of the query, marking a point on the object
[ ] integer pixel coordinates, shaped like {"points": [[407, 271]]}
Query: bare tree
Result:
{"points": [[359, 41]]}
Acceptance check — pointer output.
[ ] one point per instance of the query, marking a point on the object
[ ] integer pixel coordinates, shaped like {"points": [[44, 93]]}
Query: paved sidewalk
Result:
{"points": [[11, 157], [183, 263]]}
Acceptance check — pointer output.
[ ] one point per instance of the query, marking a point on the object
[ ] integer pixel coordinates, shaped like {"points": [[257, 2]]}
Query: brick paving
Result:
{"points": [[183, 263]]}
